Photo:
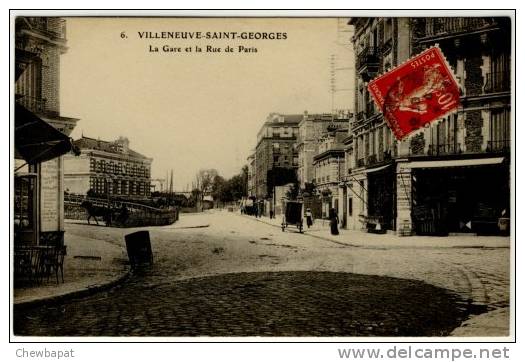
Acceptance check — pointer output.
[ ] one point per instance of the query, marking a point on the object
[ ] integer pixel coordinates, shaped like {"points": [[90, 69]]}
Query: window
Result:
{"points": [[444, 137], [350, 206], [29, 84], [388, 30], [499, 130], [387, 139], [362, 196], [373, 142]]}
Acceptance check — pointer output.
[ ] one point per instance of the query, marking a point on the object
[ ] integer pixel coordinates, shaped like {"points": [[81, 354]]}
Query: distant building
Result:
{"points": [[251, 189], [311, 128], [329, 165], [275, 148], [108, 169]]}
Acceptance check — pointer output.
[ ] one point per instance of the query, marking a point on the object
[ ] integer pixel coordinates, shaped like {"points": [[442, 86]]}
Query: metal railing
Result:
{"points": [[498, 146], [43, 25], [387, 45], [497, 82], [368, 56], [372, 159], [360, 162], [138, 214], [446, 26], [444, 149], [370, 109]]}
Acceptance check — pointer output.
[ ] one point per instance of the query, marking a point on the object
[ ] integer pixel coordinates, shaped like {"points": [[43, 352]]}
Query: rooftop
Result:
{"points": [[119, 146]]}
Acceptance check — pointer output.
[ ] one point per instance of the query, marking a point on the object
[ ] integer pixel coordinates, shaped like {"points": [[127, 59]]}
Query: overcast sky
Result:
{"points": [[197, 110]]}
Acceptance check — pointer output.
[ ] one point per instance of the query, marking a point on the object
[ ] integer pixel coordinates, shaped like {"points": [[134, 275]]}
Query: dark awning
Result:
{"points": [[35, 139]]}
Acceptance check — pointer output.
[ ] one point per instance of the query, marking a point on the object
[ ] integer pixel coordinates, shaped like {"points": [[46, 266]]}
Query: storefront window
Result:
{"points": [[24, 208]]}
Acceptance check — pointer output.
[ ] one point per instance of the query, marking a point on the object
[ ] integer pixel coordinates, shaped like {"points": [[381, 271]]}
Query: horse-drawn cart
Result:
{"points": [[293, 215]]}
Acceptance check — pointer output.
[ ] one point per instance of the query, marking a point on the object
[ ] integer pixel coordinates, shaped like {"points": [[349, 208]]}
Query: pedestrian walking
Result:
{"points": [[309, 218], [334, 222], [260, 209]]}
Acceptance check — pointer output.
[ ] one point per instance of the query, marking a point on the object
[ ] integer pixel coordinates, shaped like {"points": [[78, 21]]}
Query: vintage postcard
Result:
{"points": [[343, 176]]}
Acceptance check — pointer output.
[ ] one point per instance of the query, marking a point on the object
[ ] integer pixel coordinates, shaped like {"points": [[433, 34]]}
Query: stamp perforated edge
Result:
{"points": [[406, 62]]}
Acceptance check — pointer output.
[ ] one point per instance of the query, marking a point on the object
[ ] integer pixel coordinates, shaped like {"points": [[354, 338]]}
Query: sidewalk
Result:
{"points": [[357, 238], [89, 265]]}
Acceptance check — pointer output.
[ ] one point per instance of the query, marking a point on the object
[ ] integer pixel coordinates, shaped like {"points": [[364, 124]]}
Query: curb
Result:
{"points": [[90, 290], [190, 227], [382, 247]]}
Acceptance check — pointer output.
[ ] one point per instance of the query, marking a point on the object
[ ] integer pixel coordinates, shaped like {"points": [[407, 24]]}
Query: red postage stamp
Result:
{"points": [[416, 93]]}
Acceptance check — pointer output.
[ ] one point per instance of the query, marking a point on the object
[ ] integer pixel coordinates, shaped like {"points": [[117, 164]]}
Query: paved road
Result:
{"points": [[235, 292]]}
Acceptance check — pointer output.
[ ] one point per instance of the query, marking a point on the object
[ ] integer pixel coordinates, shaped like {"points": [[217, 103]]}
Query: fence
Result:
{"points": [[135, 214]]}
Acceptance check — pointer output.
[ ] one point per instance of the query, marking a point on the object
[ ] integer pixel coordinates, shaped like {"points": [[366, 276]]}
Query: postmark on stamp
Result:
{"points": [[416, 93]]}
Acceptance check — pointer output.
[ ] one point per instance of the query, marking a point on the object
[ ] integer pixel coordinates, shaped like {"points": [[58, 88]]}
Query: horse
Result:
{"points": [[94, 211]]}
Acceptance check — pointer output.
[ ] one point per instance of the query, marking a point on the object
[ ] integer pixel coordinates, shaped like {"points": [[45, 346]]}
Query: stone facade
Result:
{"points": [[478, 51], [311, 128], [329, 165], [276, 148]]}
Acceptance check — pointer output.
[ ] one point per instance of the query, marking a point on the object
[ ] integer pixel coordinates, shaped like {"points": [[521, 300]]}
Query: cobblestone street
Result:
{"points": [[241, 277]]}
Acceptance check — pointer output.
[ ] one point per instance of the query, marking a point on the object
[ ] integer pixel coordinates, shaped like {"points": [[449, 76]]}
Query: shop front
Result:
{"points": [[380, 201], [460, 196], [38, 180]]}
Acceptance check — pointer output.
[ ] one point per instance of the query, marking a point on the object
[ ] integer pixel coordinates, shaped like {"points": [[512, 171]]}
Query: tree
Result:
{"points": [[218, 188], [204, 182], [309, 189], [293, 191], [279, 176]]}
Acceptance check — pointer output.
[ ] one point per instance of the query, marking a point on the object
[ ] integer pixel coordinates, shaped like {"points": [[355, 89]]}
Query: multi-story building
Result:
{"points": [[107, 169], [429, 183], [251, 189], [329, 165], [311, 128], [458, 168], [276, 149], [41, 132]]}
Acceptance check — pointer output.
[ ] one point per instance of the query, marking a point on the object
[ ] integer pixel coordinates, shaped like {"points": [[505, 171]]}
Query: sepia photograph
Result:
{"points": [[349, 175]]}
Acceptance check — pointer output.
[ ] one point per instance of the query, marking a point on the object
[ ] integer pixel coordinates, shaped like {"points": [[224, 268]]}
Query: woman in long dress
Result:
{"points": [[334, 221], [309, 218]]}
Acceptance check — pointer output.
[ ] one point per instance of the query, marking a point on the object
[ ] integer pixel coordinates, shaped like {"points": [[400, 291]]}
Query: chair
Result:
{"points": [[23, 264], [26, 264], [52, 260]]}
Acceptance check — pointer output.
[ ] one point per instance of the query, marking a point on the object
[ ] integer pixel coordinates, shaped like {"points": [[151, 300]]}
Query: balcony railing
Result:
{"points": [[36, 105], [360, 162], [372, 159], [387, 45], [498, 146], [444, 149], [384, 156], [497, 82], [368, 58], [370, 110], [448, 26], [43, 25]]}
